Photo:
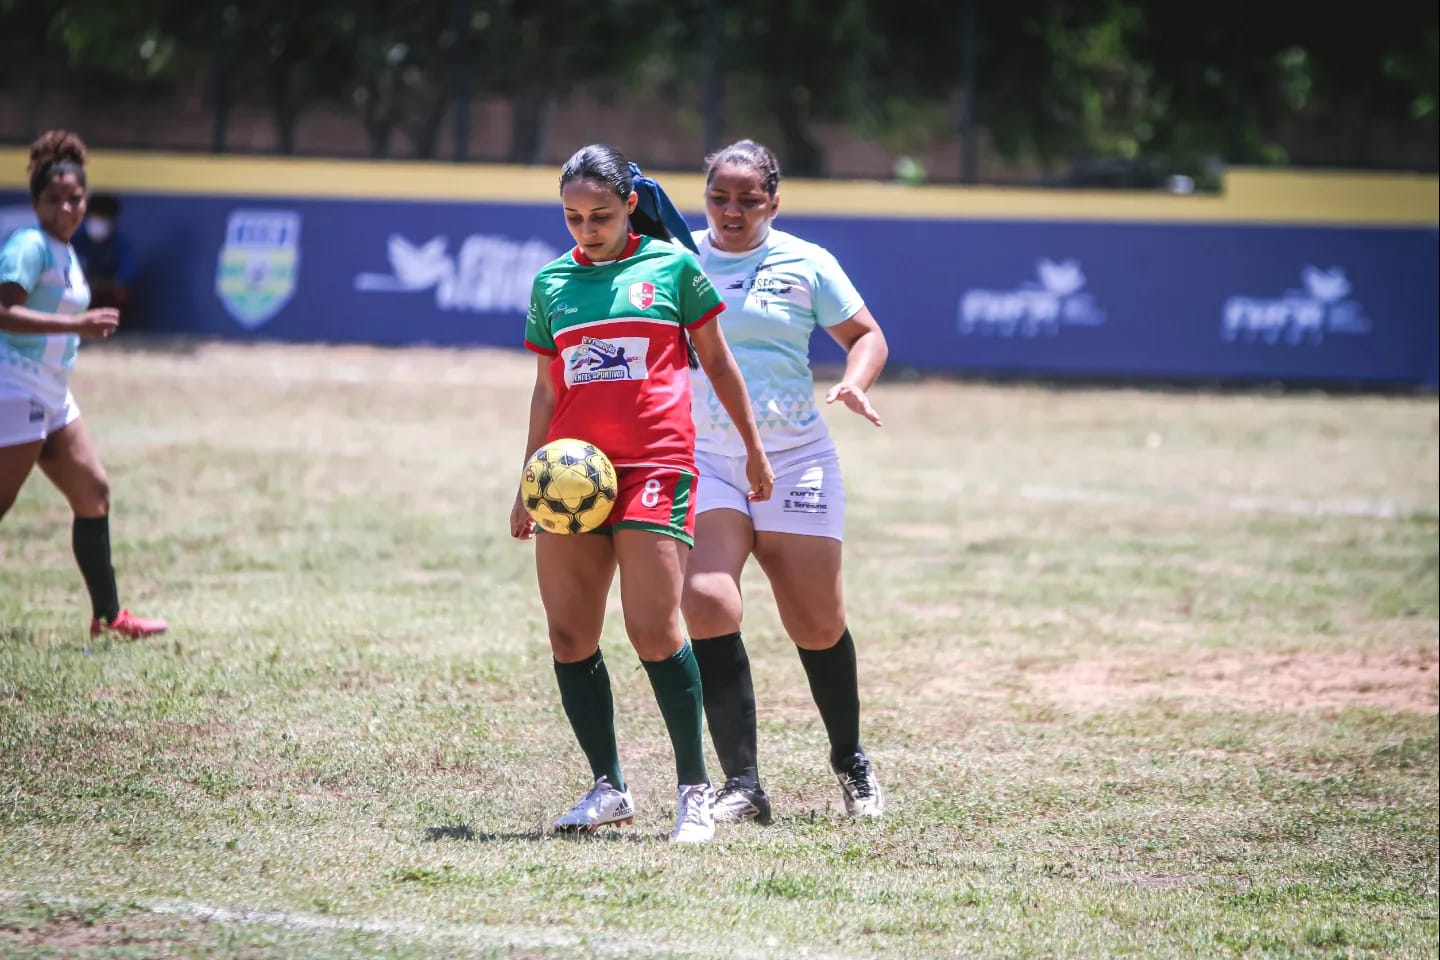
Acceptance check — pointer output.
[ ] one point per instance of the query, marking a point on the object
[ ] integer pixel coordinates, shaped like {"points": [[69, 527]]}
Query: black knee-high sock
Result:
{"points": [[729, 703], [836, 689], [90, 538], [588, 702]]}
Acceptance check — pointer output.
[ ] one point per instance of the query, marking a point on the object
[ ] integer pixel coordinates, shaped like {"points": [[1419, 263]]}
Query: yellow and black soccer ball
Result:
{"points": [[568, 486]]}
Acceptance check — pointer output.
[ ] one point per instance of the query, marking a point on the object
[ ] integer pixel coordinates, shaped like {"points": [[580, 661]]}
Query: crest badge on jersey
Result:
{"points": [[642, 294], [259, 264]]}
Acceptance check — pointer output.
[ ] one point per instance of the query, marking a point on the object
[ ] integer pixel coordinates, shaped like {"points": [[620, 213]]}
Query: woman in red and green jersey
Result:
{"points": [[613, 322]]}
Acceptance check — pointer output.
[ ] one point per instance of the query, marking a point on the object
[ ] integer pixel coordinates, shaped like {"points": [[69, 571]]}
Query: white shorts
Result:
{"points": [[24, 419], [809, 494]]}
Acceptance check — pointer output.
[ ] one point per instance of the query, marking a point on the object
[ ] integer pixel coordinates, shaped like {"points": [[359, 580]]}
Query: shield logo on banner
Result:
{"points": [[259, 264], [642, 294]]}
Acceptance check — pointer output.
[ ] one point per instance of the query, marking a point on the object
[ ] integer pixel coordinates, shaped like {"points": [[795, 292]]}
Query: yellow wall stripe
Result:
{"points": [[1249, 195]]}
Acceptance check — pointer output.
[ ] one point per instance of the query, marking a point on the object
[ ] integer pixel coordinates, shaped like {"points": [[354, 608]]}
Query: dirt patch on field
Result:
{"points": [[74, 937], [1300, 681]]}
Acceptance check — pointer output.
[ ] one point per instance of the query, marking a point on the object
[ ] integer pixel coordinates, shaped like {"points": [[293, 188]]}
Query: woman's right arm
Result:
{"points": [[15, 317], [542, 411]]}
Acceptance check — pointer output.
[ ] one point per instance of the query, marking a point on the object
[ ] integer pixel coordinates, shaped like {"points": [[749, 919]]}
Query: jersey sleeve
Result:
{"points": [[538, 336], [836, 299], [22, 259], [700, 302]]}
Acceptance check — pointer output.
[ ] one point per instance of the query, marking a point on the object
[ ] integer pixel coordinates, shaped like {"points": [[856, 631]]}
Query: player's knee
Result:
{"points": [[709, 604], [570, 646], [94, 500], [817, 631]]}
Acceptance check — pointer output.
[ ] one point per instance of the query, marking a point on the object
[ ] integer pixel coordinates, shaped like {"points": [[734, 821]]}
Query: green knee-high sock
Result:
{"points": [[676, 682], [585, 694]]}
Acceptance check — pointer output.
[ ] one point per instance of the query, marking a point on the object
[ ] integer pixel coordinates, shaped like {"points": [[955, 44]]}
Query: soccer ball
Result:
{"points": [[568, 486]]}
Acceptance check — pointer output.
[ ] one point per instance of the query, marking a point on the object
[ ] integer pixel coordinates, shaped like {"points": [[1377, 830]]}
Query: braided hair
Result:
{"points": [[55, 154]]}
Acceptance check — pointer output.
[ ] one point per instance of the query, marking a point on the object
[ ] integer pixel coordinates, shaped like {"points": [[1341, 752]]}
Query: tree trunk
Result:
{"points": [[528, 125], [802, 157], [285, 107]]}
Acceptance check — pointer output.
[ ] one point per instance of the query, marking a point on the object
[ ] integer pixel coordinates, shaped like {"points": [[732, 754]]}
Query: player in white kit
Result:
{"points": [[777, 289], [43, 318]]}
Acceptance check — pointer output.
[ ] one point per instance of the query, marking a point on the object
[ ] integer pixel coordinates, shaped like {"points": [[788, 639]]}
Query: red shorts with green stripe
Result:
{"points": [[658, 499]]}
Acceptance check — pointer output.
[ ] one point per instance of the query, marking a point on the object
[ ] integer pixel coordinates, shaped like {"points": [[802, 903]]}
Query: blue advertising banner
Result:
{"points": [[1219, 302]]}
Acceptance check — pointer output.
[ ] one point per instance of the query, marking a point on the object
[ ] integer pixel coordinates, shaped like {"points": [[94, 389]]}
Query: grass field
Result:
{"points": [[1146, 674]]}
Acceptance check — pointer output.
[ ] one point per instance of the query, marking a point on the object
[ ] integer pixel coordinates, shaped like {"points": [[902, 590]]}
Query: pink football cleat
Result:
{"points": [[128, 625]]}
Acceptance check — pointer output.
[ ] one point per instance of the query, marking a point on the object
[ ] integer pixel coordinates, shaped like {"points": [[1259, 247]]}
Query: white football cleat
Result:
{"points": [[860, 791], [601, 806], [695, 814]]}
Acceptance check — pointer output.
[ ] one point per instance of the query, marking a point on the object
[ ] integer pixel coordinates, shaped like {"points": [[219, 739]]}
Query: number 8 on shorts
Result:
{"points": [[659, 499]]}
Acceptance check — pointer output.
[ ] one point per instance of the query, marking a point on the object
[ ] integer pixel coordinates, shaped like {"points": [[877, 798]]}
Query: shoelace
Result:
{"points": [[858, 779], [594, 794], [733, 785], [691, 804]]}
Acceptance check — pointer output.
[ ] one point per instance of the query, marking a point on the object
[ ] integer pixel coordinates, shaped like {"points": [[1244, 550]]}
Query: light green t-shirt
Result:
{"points": [[31, 364]]}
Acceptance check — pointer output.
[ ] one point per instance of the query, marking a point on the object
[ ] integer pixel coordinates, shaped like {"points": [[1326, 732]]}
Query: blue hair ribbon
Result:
{"points": [[658, 207]]}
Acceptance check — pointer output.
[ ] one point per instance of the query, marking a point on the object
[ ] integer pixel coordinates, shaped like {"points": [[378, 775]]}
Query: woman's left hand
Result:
{"points": [[854, 398]]}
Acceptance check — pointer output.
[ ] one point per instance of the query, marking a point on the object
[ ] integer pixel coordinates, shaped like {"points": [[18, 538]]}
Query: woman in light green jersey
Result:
{"points": [[43, 317]]}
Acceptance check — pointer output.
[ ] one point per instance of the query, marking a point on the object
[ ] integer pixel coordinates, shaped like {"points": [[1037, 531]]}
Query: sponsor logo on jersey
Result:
{"points": [[1297, 317], [488, 274], [764, 280], [642, 294], [617, 358], [1033, 309], [259, 264]]}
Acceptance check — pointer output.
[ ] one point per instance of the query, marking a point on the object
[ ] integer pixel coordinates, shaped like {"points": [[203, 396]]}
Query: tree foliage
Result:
{"points": [[1138, 85]]}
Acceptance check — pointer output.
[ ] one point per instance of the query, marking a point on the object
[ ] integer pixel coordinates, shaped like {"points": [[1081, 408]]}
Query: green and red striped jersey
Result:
{"points": [[616, 333]]}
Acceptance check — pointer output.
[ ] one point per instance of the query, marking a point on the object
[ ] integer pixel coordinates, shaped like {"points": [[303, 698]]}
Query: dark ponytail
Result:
{"points": [[655, 215]]}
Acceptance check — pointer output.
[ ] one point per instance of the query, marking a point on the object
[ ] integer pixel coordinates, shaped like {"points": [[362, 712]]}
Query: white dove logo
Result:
{"points": [[489, 274], [1061, 279], [1033, 309], [1327, 286], [1299, 316]]}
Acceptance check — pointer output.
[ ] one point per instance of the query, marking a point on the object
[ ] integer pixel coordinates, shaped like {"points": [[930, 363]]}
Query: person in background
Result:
{"points": [[105, 256], [778, 288], [626, 285], [44, 301]]}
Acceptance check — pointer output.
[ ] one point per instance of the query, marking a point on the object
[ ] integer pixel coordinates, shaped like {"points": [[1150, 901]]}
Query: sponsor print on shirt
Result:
{"points": [[489, 274], [1297, 317], [616, 358], [765, 286], [1031, 309]]}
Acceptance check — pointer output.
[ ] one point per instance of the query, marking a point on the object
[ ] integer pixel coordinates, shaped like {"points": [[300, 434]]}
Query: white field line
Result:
{"points": [[1373, 509], [490, 935]]}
